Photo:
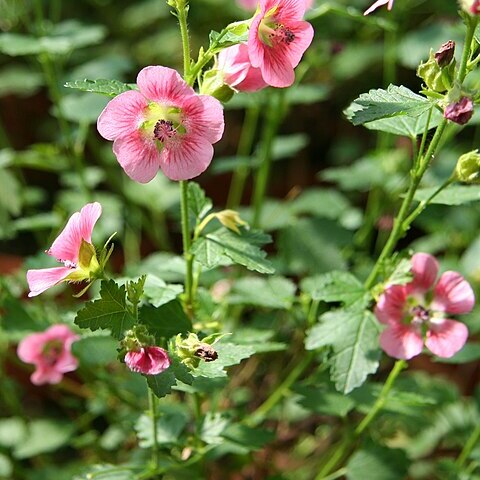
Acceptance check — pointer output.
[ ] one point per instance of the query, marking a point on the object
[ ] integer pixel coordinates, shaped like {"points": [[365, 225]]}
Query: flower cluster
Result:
{"points": [[416, 312], [278, 38]]}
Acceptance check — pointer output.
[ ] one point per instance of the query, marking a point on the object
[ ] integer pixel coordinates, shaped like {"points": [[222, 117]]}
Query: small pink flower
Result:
{"points": [[277, 39], [413, 312], [66, 249], [148, 360], [50, 352], [237, 70], [165, 125], [379, 3], [459, 112]]}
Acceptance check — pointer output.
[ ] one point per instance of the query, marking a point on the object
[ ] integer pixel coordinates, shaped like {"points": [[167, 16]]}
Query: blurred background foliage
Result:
{"points": [[333, 189]]}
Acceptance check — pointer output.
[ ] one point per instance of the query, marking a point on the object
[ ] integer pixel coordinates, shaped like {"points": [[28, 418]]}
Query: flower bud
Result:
{"points": [[190, 350], [231, 220], [445, 53], [459, 112], [468, 167], [435, 77], [147, 360], [214, 84]]}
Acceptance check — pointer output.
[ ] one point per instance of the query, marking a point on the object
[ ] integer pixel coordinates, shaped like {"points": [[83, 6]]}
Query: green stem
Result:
{"points": [[347, 443], [274, 117], [261, 412], [152, 401], [424, 203], [244, 148], [379, 404], [186, 248], [469, 446], [471, 23], [400, 227], [182, 10]]}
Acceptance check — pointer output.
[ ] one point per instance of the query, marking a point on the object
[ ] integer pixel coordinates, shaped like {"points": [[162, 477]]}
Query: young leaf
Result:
{"points": [[231, 35], [161, 385], [111, 88], [169, 427], [158, 293], [334, 286], [452, 195], [198, 203], [353, 335], [109, 312], [377, 104]]}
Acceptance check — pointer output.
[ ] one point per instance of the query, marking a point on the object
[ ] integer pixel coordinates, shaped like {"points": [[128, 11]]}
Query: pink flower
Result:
{"points": [[148, 360], [73, 248], [252, 4], [165, 125], [412, 312], [50, 352], [377, 4], [237, 70], [277, 39]]}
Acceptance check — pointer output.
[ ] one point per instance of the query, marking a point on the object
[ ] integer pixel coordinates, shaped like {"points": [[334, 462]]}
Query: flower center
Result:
{"points": [[163, 130], [52, 351], [420, 315], [273, 33], [70, 264]]}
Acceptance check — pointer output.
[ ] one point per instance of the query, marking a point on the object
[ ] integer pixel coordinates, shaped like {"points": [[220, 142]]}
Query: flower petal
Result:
{"points": [[391, 305], [446, 337], [122, 116], [138, 156], [377, 4], [79, 227], [303, 32], [164, 85], [148, 360], [30, 348], [401, 341], [453, 294], [44, 278], [44, 375], [425, 271], [187, 158], [203, 115]]}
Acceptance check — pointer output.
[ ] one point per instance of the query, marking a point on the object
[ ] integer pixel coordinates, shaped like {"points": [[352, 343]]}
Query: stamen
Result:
{"points": [[69, 264], [420, 314], [164, 130]]}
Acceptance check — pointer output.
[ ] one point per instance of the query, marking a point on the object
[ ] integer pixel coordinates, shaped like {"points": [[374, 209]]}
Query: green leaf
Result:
{"points": [[162, 383], [377, 463], [198, 203], [469, 353], [212, 427], [64, 38], [406, 126], [215, 248], [377, 104], [169, 427], [228, 354], [158, 292], [111, 88], [452, 195], [109, 312], [324, 400], [165, 321], [95, 350], [43, 436], [334, 286], [231, 35], [82, 108], [19, 80], [320, 202], [109, 472], [248, 437], [352, 333], [13, 431], [273, 292]]}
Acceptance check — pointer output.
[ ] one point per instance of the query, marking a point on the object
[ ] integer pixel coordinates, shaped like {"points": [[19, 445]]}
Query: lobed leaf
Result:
{"points": [[111, 88]]}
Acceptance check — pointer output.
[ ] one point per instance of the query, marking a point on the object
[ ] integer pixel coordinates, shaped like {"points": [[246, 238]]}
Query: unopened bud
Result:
{"points": [[190, 350], [435, 77], [213, 84], [445, 53], [468, 167], [459, 112]]}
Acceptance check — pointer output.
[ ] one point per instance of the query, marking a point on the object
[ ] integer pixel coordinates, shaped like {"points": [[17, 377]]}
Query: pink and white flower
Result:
{"points": [[165, 125], [252, 4], [147, 360], [277, 39], [237, 70], [50, 352], [73, 247], [379, 3], [415, 314]]}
